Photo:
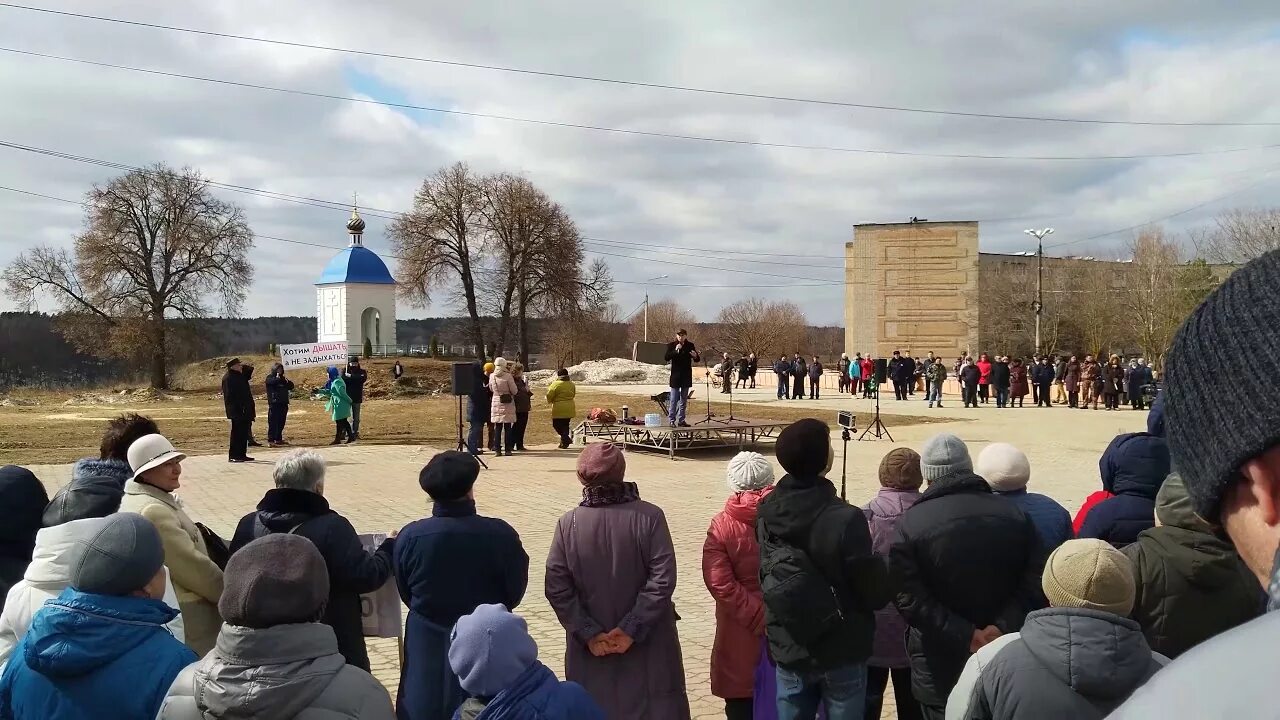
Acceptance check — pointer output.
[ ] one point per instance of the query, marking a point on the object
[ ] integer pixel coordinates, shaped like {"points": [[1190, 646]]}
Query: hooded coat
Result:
{"points": [[86, 653], [352, 570], [1066, 663], [501, 383], [22, 501], [48, 576], [536, 695], [731, 571], [117, 470], [1191, 584], [1133, 467], [286, 671], [615, 567], [339, 404]]}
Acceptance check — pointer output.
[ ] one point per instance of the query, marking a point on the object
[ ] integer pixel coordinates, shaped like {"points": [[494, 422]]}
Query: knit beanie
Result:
{"points": [[900, 469], [119, 555], [1004, 467], [1212, 427], [601, 464], [490, 649], [1089, 574], [803, 448], [942, 455], [278, 579], [449, 475], [749, 471], [95, 496]]}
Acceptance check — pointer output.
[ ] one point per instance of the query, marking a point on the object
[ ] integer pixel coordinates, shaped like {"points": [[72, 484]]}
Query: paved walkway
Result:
{"points": [[376, 487]]}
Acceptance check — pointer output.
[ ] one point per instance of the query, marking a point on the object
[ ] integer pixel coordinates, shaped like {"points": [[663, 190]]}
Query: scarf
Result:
{"points": [[604, 495]]}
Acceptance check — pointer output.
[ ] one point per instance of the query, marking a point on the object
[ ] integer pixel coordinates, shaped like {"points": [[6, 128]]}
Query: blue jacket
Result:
{"points": [[93, 656], [538, 695], [1133, 467], [445, 566], [1052, 521]]}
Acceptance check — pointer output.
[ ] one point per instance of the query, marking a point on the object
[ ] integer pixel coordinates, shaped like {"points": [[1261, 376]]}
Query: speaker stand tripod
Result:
{"points": [[877, 425], [462, 445]]}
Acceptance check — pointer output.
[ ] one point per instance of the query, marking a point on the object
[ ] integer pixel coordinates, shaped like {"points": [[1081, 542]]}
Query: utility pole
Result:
{"points": [[646, 304], [1038, 305]]}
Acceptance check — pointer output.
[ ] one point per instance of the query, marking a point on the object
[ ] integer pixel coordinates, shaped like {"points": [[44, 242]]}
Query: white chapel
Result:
{"points": [[356, 296]]}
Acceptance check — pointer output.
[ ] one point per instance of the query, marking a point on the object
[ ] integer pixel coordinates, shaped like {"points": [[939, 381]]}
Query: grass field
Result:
{"points": [[42, 427]]}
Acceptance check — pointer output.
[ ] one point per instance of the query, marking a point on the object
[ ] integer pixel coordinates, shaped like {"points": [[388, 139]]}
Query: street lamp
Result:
{"points": [[646, 304], [1038, 305]]}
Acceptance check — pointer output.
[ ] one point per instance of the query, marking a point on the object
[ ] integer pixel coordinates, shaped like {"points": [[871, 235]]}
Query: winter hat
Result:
{"points": [[749, 471], [95, 496], [119, 555], [1004, 467], [900, 470], [23, 498], [449, 475], [1089, 574], [803, 448], [942, 455], [333, 372], [601, 464], [278, 579], [499, 363], [1212, 427], [489, 649], [1155, 418], [488, 367]]}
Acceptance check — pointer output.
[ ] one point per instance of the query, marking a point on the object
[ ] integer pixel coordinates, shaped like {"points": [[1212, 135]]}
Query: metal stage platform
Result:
{"points": [[715, 434]]}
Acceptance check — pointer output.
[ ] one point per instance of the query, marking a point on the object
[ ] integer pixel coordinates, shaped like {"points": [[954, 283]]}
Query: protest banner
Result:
{"points": [[311, 354], [380, 609]]}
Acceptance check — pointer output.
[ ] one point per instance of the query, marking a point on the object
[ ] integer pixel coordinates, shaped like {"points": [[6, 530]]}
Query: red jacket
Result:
{"points": [[868, 367], [1094, 498], [984, 369], [731, 570]]}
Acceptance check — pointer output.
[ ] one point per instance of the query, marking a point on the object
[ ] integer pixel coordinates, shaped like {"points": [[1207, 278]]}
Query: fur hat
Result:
{"points": [[900, 470], [942, 455], [1088, 573], [1004, 467], [749, 471], [601, 464]]}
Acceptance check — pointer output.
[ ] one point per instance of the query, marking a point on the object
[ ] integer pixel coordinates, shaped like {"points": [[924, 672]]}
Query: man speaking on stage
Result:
{"points": [[681, 354]]}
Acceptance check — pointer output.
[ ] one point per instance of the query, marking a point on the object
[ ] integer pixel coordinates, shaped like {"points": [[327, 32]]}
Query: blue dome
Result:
{"points": [[356, 264]]}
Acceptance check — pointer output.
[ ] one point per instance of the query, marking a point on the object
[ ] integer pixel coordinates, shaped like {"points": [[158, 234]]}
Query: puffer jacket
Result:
{"points": [[1133, 467], [1066, 663], [889, 647], [93, 656], [560, 394], [286, 671], [731, 571], [1191, 584], [48, 575], [501, 383]]}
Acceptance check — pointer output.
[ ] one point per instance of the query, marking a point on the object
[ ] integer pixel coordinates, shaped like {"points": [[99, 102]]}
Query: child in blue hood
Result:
{"points": [[100, 649], [497, 663]]}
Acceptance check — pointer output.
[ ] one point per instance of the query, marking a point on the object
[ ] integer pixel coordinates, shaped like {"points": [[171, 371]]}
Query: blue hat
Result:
{"points": [[489, 649]]}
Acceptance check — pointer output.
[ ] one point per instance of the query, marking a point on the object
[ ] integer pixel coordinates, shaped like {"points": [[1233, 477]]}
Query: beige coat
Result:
{"points": [[499, 412], [196, 579]]}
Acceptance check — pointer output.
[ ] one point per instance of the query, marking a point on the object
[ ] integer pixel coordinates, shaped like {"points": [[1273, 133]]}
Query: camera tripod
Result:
{"points": [[877, 425]]}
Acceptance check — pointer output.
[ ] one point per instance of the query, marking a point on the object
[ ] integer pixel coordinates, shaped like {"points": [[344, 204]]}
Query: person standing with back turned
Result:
{"points": [[681, 354], [237, 400]]}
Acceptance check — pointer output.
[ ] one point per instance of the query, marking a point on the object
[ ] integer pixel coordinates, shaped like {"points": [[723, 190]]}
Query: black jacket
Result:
{"points": [[355, 378], [970, 375], [806, 514], [1000, 374], [478, 403], [352, 570], [799, 368], [22, 503], [1042, 374], [278, 389], [963, 558], [681, 359], [237, 396]]}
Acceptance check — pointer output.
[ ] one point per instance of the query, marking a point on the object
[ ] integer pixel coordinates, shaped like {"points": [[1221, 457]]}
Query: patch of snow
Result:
{"points": [[610, 371]]}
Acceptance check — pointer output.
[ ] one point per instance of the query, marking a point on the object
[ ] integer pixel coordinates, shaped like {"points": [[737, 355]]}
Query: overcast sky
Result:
{"points": [[659, 200]]}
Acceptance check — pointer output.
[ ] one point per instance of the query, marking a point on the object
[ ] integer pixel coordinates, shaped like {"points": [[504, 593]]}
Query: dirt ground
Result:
{"points": [[52, 431]]}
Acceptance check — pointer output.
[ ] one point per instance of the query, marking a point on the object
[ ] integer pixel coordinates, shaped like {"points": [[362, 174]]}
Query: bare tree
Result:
{"points": [[585, 335], [1150, 292], [157, 244], [665, 318], [1240, 235], [761, 327], [442, 239]]}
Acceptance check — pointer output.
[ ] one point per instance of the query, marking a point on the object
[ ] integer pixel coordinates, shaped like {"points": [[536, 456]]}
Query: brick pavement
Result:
{"points": [[376, 487]]}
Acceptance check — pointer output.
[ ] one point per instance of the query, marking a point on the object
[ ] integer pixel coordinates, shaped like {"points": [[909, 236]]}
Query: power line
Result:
{"points": [[640, 133], [637, 83]]}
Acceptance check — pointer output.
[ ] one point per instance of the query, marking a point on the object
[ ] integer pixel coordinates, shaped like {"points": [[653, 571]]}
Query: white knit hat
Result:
{"points": [[749, 471], [1004, 467]]}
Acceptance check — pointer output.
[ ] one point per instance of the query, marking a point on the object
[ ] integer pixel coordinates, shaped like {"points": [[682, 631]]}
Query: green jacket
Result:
{"points": [[339, 404], [560, 394]]}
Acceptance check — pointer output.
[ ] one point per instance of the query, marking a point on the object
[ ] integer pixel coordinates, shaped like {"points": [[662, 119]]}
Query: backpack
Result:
{"points": [[801, 607]]}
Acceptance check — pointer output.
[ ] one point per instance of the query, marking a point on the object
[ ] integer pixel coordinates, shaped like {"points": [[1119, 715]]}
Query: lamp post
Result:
{"points": [[1039, 235], [646, 304]]}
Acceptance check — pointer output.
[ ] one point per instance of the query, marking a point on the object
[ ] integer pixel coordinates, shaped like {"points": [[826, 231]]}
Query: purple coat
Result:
{"points": [[615, 567], [889, 648]]}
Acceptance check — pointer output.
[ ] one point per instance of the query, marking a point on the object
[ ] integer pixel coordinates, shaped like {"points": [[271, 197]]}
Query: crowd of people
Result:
{"points": [[499, 404]]}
